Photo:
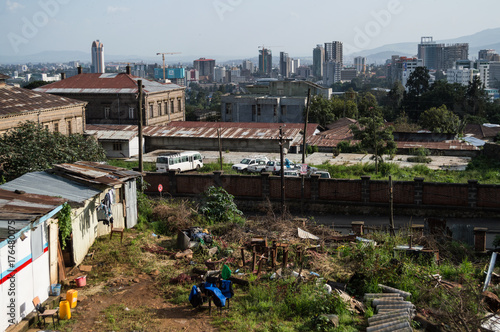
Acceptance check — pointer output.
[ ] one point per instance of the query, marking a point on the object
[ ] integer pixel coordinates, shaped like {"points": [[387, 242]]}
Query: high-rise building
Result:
{"points": [[318, 61], [440, 56], [334, 52], [489, 55], [360, 64], [220, 74], [205, 68], [332, 73], [247, 65], [284, 64], [265, 61], [97, 57]]}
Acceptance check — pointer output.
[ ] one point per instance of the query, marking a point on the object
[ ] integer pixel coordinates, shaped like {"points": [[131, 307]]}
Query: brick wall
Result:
{"points": [[415, 197]]}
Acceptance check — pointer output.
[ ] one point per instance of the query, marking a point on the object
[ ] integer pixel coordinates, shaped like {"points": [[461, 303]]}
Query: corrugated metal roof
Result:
{"points": [[14, 100], [194, 129], [43, 183], [18, 210], [105, 83], [95, 173]]}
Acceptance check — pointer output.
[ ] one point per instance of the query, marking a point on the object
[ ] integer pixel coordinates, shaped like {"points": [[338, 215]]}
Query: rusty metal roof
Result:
{"points": [[195, 129], [95, 173], [14, 100], [18, 210], [4, 77], [229, 130], [105, 83]]}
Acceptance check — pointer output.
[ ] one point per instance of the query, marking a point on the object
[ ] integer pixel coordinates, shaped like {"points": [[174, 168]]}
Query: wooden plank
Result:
{"points": [[85, 268], [60, 263]]}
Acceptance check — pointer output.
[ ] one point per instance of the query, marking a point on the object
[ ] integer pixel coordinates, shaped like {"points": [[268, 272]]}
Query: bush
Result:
{"points": [[218, 206]]}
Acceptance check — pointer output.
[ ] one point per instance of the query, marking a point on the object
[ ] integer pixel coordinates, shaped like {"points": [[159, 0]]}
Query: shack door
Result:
{"points": [[131, 204]]}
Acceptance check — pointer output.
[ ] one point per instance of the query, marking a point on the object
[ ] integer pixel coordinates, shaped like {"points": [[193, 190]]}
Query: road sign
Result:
{"points": [[160, 188], [303, 169]]}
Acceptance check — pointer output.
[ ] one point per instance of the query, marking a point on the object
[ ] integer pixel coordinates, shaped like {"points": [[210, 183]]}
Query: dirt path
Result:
{"points": [[135, 299]]}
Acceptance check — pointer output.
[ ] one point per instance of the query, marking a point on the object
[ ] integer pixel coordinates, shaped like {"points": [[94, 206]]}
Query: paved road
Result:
{"points": [[318, 158]]}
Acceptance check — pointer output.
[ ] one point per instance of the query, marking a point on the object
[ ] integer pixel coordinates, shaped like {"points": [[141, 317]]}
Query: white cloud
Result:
{"points": [[13, 6], [114, 10]]}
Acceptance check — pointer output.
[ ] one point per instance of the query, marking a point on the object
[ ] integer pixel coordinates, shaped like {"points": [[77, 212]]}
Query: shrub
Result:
{"points": [[218, 206]]}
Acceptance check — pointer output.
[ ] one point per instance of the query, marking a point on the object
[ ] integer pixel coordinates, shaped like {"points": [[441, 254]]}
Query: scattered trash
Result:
{"points": [[212, 251], [226, 272], [127, 309], [314, 274], [366, 241]]}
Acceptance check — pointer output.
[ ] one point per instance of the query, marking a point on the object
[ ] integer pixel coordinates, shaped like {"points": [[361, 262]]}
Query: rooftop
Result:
{"points": [[106, 83], [14, 100]]}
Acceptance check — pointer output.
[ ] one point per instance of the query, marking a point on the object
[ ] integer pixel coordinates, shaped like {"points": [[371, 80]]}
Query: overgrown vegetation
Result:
{"points": [[64, 218], [448, 293]]}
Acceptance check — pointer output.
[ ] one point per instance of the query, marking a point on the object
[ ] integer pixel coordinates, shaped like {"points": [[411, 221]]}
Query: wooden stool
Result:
{"points": [[116, 230]]}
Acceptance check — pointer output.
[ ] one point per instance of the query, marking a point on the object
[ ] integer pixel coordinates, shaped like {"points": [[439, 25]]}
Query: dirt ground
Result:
{"points": [[139, 293]]}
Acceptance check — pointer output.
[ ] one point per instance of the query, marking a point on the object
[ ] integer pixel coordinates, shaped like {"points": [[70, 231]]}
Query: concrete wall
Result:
{"points": [[336, 195], [211, 144], [55, 119]]}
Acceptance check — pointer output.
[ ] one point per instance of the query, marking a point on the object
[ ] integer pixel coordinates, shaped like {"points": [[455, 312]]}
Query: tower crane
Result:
{"points": [[163, 57]]}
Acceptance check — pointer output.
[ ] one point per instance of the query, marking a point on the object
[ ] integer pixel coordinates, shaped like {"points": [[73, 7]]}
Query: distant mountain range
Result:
{"points": [[486, 39]]}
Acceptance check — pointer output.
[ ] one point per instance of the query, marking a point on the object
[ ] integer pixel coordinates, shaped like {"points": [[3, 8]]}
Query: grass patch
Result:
{"points": [[148, 166], [117, 317]]}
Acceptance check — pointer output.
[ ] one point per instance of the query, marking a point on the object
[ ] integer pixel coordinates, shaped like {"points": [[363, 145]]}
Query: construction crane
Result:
{"points": [[263, 51], [163, 57]]}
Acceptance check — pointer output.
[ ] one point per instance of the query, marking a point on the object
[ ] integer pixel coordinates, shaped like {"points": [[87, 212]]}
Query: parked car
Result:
{"points": [[243, 165], [322, 174], [291, 173], [275, 166], [258, 167]]}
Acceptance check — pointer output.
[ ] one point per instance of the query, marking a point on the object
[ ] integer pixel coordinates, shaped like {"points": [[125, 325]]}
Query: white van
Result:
{"points": [[179, 162]]}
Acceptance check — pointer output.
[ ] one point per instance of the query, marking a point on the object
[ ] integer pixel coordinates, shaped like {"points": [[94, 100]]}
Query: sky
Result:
{"points": [[232, 28]]}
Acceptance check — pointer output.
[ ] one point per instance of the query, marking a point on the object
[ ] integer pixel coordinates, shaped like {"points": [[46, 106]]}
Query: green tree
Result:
{"points": [[31, 147], [321, 111], [416, 86], [476, 98], [441, 120], [374, 136], [366, 103], [35, 84], [393, 100]]}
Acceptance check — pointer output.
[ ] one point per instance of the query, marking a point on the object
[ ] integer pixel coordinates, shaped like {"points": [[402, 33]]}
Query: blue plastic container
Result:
{"points": [[55, 289]]}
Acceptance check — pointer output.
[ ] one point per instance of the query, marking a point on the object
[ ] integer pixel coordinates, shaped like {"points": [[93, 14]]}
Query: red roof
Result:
{"points": [[104, 83]]}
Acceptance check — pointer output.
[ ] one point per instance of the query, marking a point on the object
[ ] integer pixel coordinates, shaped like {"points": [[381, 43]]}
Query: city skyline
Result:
{"points": [[229, 28]]}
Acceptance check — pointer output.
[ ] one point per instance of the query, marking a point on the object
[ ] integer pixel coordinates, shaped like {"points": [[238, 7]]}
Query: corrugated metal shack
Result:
{"points": [[85, 185], [25, 260]]}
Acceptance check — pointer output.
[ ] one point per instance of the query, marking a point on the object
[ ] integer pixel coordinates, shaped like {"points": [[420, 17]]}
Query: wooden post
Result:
{"points": [[242, 257], [391, 205]]}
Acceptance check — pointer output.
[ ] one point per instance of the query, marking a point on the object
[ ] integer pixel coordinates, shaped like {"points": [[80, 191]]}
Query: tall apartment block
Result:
{"points": [[97, 57]]}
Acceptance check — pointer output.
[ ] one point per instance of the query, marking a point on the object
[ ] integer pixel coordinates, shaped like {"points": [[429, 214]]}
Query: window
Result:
{"points": [[56, 127], [150, 110], [117, 146], [159, 109], [68, 124], [179, 103], [46, 126], [229, 108], [172, 110], [259, 109], [130, 112], [107, 109], [254, 112], [275, 110]]}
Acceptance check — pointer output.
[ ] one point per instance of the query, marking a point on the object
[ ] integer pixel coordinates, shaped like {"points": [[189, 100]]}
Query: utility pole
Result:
{"points": [[304, 146], [163, 57], [220, 148], [139, 110], [391, 205], [375, 137], [282, 172]]}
